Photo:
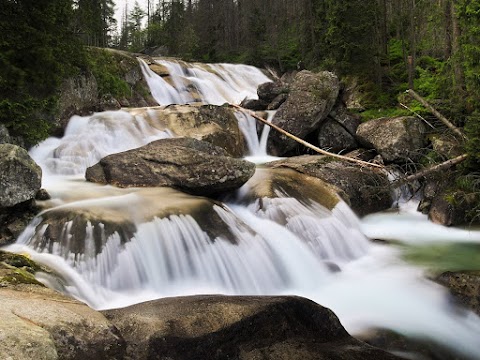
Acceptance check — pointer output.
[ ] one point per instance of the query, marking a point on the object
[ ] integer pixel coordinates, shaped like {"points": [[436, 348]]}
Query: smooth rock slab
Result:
{"points": [[237, 327], [20, 176], [193, 166]]}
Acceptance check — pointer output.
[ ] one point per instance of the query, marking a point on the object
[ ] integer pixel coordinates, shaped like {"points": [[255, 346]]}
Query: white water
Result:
{"points": [[283, 246], [212, 83]]}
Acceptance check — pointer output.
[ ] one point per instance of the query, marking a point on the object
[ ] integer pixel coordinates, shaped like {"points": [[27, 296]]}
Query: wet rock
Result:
{"points": [[214, 124], [365, 189], [333, 137], [242, 328], [406, 347], [464, 286], [276, 182], [397, 139], [190, 165], [310, 99], [20, 176]]}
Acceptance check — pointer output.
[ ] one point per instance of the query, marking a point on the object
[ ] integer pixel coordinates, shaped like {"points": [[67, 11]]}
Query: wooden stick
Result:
{"points": [[445, 165], [442, 118], [303, 142], [417, 115]]}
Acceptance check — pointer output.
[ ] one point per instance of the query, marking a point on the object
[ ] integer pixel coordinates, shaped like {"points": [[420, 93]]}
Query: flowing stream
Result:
{"points": [[151, 243]]}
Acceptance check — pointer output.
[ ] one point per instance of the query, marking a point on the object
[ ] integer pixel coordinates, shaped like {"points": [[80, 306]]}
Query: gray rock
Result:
{"points": [[335, 138], [311, 98], [241, 328], [254, 104], [365, 189], [268, 91], [20, 176], [277, 102], [397, 139], [190, 165]]}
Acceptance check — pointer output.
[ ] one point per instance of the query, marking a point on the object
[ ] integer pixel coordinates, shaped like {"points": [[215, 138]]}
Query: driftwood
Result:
{"points": [[442, 118], [303, 142], [428, 171]]}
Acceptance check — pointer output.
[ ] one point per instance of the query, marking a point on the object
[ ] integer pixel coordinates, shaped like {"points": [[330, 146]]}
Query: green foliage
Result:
{"points": [[37, 51], [106, 68]]}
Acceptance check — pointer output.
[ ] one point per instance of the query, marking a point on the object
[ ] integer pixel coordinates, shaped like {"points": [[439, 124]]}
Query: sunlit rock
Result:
{"points": [[214, 124], [366, 190], [190, 165]]}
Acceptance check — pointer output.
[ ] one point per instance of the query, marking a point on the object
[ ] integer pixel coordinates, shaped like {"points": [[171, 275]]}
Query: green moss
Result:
{"points": [[17, 269], [109, 69]]}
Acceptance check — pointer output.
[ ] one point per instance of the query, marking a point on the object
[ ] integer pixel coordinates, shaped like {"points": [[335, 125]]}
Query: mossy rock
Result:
{"points": [[17, 269]]}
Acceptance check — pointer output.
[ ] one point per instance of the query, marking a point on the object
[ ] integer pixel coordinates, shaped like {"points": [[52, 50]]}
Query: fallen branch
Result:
{"points": [[417, 115], [442, 118], [423, 173], [303, 142]]}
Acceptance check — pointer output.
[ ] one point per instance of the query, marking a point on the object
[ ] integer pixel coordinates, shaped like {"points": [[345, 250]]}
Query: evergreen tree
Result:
{"points": [[37, 50]]}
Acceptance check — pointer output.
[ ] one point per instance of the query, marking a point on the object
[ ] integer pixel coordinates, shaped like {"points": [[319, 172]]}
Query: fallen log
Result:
{"points": [[423, 173], [303, 142], [434, 111]]}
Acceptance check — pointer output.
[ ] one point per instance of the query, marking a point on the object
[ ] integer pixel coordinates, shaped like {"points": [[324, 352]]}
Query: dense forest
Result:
{"points": [[432, 46]]}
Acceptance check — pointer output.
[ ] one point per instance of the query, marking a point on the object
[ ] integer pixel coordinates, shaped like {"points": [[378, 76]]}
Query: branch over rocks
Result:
{"points": [[303, 142], [442, 118], [423, 173]]}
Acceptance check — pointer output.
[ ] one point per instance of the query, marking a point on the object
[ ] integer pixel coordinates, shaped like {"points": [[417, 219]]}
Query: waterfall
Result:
{"points": [[208, 83], [115, 247]]}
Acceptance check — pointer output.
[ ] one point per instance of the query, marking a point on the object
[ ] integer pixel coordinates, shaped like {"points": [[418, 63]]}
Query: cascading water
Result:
{"points": [[116, 247]]}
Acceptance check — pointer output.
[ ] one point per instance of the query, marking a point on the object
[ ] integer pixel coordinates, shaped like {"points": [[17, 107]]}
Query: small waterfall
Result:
{"points": [[208, 83], [87, 139], [115, 247]]}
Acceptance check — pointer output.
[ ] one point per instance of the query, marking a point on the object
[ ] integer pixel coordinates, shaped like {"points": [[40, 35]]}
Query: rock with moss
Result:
{"points": [[242, 328], [366, 190], [311, 98], [399, 139]]}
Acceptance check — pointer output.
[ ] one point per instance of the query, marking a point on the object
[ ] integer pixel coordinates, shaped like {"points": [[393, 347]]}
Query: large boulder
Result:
{"points": [[335, 138], [311, 98], [39, 323], [190, 165], [214, 124], [241, 328], [398, 139], [268, 91], [20, 176], [365, 189]]}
